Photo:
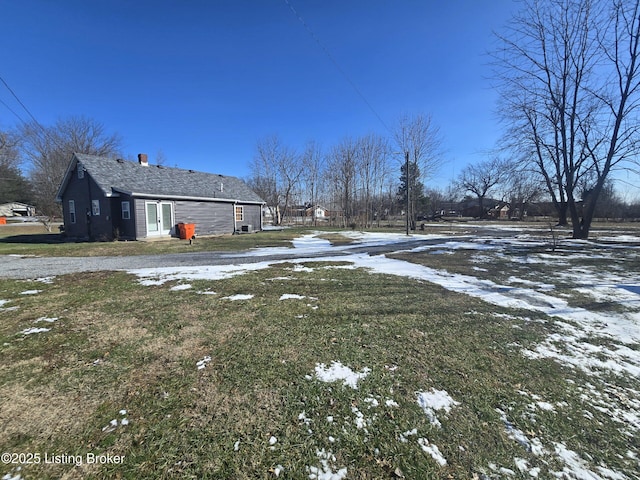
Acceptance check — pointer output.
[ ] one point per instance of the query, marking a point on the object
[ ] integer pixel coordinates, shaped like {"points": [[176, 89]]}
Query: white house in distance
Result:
{"points": [[17, 209]]}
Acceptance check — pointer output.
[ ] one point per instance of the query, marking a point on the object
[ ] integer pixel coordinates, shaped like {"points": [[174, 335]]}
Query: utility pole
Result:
{"points": [[406, 159]]}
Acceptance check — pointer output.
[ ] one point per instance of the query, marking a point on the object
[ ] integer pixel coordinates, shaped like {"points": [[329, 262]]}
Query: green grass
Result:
{"points": [[118, 345]]}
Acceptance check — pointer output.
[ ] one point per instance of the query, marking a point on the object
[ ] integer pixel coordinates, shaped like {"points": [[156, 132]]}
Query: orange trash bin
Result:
{"points": [[3, 221], [190, 230], [186, 231]]}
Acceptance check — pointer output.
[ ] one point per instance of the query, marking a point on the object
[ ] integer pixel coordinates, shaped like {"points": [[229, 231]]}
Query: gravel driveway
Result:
{"points": [[18, 267], [31, 267]]}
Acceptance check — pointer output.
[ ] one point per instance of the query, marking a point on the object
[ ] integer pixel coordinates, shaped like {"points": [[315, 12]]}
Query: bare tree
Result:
{"points": [[570, 82], [161, 157], [342, 173], [420, 138], [482, 178], [521, 190], [48, 150], [371, 168], [312, 176], [439, 201], [276, 171]]}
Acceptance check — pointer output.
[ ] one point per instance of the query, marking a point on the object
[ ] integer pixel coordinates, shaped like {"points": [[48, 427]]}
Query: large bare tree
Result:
{"points": [[482, 179], [569, 74], [276, 170], [48, 151]]}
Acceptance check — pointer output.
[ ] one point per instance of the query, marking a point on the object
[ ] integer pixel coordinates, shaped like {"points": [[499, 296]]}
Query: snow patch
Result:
{"points": [[432, 450], [530, 445], [291, 296], [46, 319], [200, 364], [32, 330], [577, 467], [434, 400], [325, 470], [338, 372], [113, 424], [239, 296]]}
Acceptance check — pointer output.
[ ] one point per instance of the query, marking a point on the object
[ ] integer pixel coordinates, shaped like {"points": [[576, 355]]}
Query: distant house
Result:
{"points": [[301, 213], [17, 209], [500, 211], [105, 198]]}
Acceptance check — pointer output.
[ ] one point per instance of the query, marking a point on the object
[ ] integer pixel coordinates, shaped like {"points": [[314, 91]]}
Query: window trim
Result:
{"points": [[126, 212], [239, 209], [95, 208], [72, 211]]}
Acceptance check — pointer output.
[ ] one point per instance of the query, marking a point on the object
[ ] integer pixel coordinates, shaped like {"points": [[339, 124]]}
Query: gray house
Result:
{"points": [[105, 198]]}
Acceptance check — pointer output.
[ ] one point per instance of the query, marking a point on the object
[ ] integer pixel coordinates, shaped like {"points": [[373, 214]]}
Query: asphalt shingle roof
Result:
{"points": [[113, 175]]}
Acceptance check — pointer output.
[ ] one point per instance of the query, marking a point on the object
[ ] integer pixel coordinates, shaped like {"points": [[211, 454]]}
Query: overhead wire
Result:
{"points": [[336, 64], [20, 102], [39, 128], [12, 111]]}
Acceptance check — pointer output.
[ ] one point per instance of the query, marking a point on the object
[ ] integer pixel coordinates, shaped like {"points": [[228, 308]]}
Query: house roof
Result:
{"points": [[115, 176]]}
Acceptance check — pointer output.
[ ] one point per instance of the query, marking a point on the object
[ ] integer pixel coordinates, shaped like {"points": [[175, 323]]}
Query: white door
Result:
{"points": [[159, 218]]}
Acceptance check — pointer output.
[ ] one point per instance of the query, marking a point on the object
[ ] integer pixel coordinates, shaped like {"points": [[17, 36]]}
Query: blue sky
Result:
{"points": [[202, 81]]}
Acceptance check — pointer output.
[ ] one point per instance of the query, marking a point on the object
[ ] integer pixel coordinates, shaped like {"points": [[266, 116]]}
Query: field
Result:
{"points": [[471, 356]]}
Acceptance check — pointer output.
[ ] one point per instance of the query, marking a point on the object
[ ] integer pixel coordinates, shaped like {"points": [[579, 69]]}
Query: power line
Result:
{"points": [[12, 111], [336, 64], [21, 104], [39, 126]]}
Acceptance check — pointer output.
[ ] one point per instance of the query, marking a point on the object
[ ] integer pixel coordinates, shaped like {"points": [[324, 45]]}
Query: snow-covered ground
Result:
{"points": [[599, 343]]}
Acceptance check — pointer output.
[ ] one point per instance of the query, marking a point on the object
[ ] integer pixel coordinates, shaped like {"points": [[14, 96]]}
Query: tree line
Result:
{"points": [[356, 179], [45, 152]]}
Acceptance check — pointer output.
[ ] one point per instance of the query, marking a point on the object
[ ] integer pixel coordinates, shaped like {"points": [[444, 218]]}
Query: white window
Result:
{"points": [[72, 211], [239, 213], [95, 208], [126, 211], [80, 171]]}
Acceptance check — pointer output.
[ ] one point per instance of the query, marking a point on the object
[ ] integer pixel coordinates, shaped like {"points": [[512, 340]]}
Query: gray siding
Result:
{"points": [[138, 211], [252, 216], [210, 217], [87, 226], [126, 229], [216, 217]]}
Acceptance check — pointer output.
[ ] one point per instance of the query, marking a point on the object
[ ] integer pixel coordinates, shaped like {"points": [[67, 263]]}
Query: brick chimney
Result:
{"points": [[143, 159]]}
